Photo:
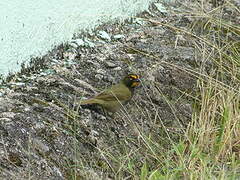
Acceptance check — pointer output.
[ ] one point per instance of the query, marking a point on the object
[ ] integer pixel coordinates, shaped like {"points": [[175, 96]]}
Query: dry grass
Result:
{"points": [[209, 148]]}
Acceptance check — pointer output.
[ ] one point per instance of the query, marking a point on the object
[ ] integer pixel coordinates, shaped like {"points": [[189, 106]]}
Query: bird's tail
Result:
{"points": [[87, 101], [92, 105]]}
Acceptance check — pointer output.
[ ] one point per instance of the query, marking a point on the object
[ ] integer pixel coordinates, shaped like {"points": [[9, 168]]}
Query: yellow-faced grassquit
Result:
{"points": [[114, 97]]}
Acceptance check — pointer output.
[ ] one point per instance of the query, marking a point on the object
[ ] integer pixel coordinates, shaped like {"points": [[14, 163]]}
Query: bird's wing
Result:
{"points": [[111, 96], [116, 92]]}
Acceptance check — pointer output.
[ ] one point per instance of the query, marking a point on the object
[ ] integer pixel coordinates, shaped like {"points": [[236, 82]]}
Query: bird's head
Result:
{"points": [[132, 80]]}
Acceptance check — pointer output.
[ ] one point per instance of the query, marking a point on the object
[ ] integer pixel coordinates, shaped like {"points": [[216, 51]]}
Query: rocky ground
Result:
{"points": [[44, 131]]}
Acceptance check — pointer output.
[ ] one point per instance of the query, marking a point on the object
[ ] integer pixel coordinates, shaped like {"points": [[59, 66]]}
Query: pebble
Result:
{"points": [[101, 71], [7, 115], [104, 35], [99, 76], [39, 145], [85, 84], [79, 42], [117, 68], [5, 120], [74, 45], [118, 36], [110, 64]]}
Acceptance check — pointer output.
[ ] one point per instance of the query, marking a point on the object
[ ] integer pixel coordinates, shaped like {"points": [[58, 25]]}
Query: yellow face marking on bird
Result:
{"points": [[135, 80], [135, 84], [134, 76]]}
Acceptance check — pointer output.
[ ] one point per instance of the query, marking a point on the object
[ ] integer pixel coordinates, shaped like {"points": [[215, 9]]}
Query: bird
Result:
{"points": [[113, 98]]}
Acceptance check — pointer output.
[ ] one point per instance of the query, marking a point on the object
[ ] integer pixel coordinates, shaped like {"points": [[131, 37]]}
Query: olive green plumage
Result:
{"points": [[113, 98]]}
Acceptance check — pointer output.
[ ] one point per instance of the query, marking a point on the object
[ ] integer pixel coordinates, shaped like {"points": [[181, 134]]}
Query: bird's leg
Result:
{"points": [[104, 111], [108, 114]]}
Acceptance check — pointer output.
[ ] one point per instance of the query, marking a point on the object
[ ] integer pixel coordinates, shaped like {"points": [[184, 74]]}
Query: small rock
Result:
{"points": [[8, 115], [88, 43], [117, 68], [69, 55], [139, 21], [79, 42], [18, 83], [94, 133], [96, 64], [39, 125], [101, 71], [54, 61], [73, 45], [100, 117], [47, 72], [5, 120], [92, 140], [118, 36], [161, 8], [85, 85], [110, 64], [40, 146], [2, 153], [104, 35], [99, 76]]}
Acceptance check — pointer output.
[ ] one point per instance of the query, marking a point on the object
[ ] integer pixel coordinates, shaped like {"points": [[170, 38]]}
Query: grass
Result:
{"points": [[209, 147]]}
